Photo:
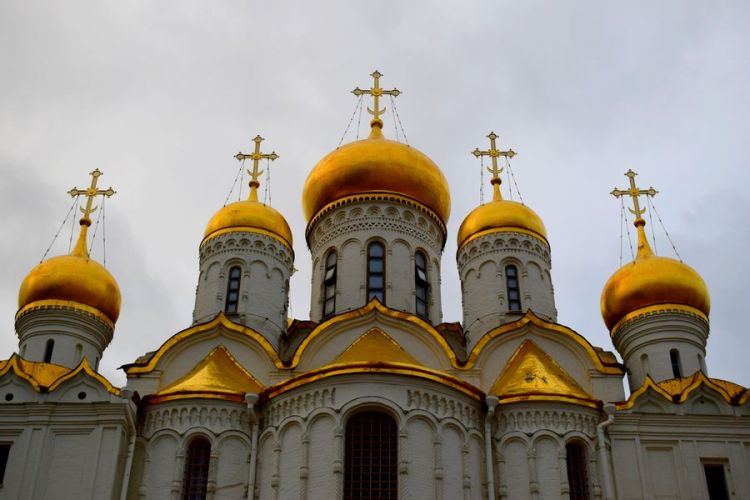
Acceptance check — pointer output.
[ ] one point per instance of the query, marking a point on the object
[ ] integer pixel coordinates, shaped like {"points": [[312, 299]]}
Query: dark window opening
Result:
{"points": [[422, 285], [195, 481], [376, 272], [716, 481], [4, 453], [578, 478], [233, 290], [329, 285], [48, 348], [674, 357], [371, 457], [514, 291]]}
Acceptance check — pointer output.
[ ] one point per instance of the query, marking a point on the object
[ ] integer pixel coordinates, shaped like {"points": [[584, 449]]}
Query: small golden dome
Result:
{"points": [[376, 165], [500, 215], [651, 280], [76, 278], [250, 215]]}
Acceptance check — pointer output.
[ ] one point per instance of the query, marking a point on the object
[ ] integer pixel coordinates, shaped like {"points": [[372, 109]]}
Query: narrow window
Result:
{"points": [[233, 290], [79, 353], [645, 364], [376, 272], [195, 480], [674, 357], [48, 348], [371, 457], [421, 283], [4, 452], [578, 478], [514, 292], [23, 351], [329, 285], [716, 481]]}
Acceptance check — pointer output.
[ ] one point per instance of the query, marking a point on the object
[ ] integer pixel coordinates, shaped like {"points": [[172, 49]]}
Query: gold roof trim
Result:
{"points": [[532, 375], [219, 320], [375, 345], [246, 229], [378, 196], [46, 377], [374, 305], [218, 374], [655, 310], [602, 366], [677, 390], [504, 229], [69, 305], [373, 367]]}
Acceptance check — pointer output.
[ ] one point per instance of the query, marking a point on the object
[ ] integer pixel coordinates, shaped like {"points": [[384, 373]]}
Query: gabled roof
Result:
{"points": [[46, 377], [677, 390], [375, 345], [217, 376], [532, 375]]}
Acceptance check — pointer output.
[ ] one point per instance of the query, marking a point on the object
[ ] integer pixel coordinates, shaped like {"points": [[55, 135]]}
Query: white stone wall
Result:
{"points": [[481, 267], [76, 335], [166, 433], [529, 446], [645, 343], [439, 442], [402, 227], [661, 456], [64, 447], [264, 286]]}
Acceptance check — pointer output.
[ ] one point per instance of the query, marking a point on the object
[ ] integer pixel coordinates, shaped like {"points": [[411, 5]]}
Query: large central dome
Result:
{"points": [[376, 165]]}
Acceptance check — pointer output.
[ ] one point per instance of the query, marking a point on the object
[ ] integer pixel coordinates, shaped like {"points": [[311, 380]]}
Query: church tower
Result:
{"points": [[68, 305], [503, 259], [377, 211], [656, 309], [246, 260]]}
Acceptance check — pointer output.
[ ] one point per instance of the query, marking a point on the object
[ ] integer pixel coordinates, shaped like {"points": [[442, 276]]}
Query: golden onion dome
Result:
{"points": [[252, 216], [651, 280], [500, 215], [376, 165], [75, 278]]}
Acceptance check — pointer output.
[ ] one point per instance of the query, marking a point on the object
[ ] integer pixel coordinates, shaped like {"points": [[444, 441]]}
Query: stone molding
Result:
{"points": [[442, 406], [246, 242], [561, 421], [300, 406], [509, 242], [187, 414]]}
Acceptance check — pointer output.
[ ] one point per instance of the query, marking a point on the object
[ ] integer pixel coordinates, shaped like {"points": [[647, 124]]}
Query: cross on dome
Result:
{"points": [[91, 192], [634, 192], [256, 156], [495, 169], [376, 91]]}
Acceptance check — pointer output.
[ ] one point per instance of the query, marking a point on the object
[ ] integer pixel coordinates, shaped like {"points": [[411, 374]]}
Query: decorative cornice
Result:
{"points": [[65, 305], [656, 310]]}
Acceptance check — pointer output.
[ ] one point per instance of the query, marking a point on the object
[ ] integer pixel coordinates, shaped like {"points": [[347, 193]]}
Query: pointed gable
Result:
{"points": [[375, 345], [216, 375], [531, 374]]}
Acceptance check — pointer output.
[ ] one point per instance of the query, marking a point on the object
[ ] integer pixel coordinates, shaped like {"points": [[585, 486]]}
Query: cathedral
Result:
{"points": [[373, 396]]}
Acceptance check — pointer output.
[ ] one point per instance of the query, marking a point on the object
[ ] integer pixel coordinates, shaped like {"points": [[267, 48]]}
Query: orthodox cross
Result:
{"points": [[495, 169], [90, 194], [376, 92], [634, 192], [256, 156]]}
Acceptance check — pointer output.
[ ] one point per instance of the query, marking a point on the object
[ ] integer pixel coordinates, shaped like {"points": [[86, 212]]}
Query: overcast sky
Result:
{"points": [[161, 95]]}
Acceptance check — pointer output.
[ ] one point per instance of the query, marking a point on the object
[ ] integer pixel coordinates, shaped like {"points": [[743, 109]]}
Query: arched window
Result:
{"points": [[195, 479], [674, 358], [376, 272], [329, 284], [79, 353], [514, 291], [233, 290], [421, 283], [578, 478], [48, 348], [371, 457], [645, 364]]}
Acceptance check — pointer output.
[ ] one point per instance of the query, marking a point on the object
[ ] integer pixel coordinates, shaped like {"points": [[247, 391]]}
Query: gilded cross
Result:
{"points": [[90, 194], [376, 91], [495, 169], [256, 156], [634, 192]]}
